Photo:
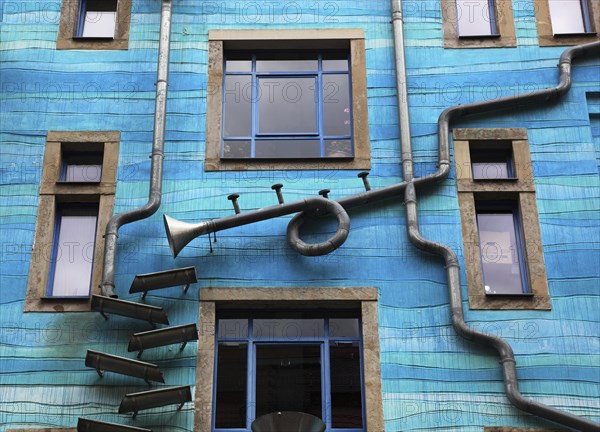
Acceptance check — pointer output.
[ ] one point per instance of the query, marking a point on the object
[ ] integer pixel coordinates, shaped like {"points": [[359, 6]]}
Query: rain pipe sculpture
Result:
{"points": [[180, 234], [156, 168]]}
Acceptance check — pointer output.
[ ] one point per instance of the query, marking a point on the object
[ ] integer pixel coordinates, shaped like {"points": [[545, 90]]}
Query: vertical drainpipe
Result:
{"points": [[156, 168], [504, 350]]}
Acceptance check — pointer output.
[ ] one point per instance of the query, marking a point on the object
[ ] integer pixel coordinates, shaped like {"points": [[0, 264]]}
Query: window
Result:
{"points": [[287, 105], [289, 361], [478, 23], [491, 160], [97, 19], [570, 16], [567, 22], [94, 24], [259, 356], [501, 235], [476, 18], [76, 201], [287, 99], [73, 250], [81, 167], [501, 248]]}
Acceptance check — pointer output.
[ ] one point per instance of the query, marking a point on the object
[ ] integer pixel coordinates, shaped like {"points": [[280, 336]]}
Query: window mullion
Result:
{"points": [[253, 104], [492, 15], [587, 22], [54, 255], [326, 378], [251, 377], [319, 102], [81, 19], [521, 253]]}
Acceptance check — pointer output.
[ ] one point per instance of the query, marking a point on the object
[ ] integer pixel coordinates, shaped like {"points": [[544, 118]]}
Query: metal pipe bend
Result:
{"points": [[327, 246]]}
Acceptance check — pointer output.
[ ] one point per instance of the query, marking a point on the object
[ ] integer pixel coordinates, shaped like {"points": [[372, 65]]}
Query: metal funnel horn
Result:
{"points": [[179, 233]]}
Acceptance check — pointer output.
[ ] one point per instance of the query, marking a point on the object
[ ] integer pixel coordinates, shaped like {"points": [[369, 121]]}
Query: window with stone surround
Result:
{"points": [[478, 23], [325, 327], [502, 245], [94, 25], [286, 99], [567, 22], [77, 192]]}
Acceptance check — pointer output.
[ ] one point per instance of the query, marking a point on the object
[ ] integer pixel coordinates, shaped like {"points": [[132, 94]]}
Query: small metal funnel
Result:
{"points": [[288, 421]]}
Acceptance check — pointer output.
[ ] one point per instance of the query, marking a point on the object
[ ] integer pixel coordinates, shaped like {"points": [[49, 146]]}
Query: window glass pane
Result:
{"points": [[290, 61], [231, 385], [490, 163], [288, 378], [473, 17], [346, 403], [238, 66], [288, 149], [287, 105], [99, 24], [74, 256], [566, 16], [236, 149], [233, 328], [499, 253], [238, 106], [83, 173], [335, 61], [336, 105], [343, 327], [288, 329], [338, 148], [489, 170]]}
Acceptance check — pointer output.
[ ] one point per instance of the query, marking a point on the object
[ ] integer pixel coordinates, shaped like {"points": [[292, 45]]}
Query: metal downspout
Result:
{"points": [[504, 350], [110, 247]]}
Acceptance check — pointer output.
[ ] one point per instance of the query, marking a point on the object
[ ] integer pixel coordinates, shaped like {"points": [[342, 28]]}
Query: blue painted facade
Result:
{"points": [[431, 378]]}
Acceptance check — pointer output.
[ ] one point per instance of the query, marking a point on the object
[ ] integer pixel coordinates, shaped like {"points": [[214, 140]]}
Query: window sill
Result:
{"points": [[500, 179], [567, 35], [491, 36], [212, 165], [65, 298], [76, 183], [508, 295], [93, 38]]}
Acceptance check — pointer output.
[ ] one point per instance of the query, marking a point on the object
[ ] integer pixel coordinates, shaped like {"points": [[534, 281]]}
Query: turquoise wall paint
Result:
{"points": [[432, 380]]}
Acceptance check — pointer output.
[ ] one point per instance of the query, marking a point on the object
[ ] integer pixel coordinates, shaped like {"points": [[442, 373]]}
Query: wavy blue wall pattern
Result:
{"points": [[432, 379]]}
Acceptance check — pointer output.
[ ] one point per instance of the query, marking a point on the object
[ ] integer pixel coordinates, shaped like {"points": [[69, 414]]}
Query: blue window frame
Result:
{"points": [[73, 249], [96, 19], [306, 361], [476, 18], [287, 105], [570, 17], [501, 248]]}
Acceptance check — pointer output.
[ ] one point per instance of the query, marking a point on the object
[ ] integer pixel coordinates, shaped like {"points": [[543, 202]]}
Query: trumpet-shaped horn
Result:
{"points": [[179, 233]]}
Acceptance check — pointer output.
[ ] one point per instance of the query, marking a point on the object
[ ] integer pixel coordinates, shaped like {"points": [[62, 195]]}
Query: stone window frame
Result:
{"points": [[522, 189], [219, 40], [504, 21], [364, 299], [544, 26], [51, 194], [69, 14]]}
